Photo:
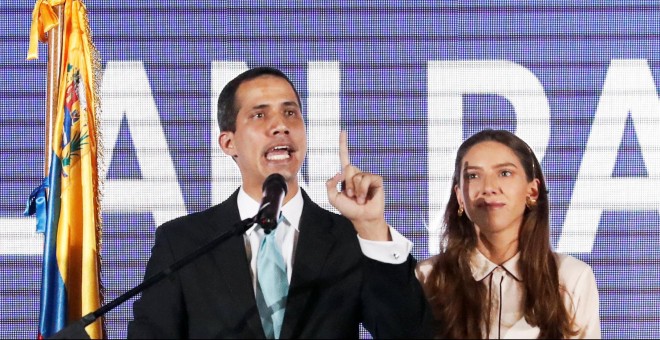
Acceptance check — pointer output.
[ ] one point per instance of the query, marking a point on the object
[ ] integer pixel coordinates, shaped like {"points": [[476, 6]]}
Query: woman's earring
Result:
{"points": [[530, 202], [460, 211]]}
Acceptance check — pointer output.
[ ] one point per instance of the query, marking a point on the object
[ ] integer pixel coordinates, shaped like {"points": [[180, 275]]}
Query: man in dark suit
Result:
{"points": [[336, 279]]}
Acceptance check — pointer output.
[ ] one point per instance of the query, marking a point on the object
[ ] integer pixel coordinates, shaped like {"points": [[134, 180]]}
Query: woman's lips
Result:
{"points": [[492, 205]]}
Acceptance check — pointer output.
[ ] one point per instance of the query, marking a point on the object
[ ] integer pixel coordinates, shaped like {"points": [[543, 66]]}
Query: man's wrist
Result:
{"points": [[377, 230]]}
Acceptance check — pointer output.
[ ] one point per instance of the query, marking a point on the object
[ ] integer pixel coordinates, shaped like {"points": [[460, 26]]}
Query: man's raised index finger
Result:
{"points": [[343, 149]]}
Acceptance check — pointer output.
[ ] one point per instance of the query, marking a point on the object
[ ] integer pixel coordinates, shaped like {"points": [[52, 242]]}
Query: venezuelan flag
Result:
{"points": [[67, 203]]}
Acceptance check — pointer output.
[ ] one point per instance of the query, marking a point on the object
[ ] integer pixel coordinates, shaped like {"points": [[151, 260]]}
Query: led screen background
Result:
{"points": [[408, 81]]}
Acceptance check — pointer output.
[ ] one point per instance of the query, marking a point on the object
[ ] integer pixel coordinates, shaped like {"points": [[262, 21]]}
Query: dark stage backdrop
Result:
{"points": [[409, 80]]}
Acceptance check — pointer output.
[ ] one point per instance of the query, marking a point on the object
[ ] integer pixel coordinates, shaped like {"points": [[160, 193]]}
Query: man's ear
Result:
{"points": [[226, 141]]}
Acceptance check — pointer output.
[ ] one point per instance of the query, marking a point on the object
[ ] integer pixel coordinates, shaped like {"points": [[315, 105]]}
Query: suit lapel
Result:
{"points": [[233, 266], [314, 244]]}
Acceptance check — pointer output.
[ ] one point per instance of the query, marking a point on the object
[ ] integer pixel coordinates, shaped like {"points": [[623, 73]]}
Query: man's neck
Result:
{"points": [[256, 193]]}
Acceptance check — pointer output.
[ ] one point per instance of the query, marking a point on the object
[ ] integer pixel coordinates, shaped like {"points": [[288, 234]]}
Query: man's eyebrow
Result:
{"points": [[260, 106], [290, 103]]}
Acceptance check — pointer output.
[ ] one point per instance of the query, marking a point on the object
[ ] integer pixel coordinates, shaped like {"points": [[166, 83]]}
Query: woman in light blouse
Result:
{"points": [[496, 275]]}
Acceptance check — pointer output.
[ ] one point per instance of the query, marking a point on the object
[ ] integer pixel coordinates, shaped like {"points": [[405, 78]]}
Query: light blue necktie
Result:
{"points": [[272, 287]]}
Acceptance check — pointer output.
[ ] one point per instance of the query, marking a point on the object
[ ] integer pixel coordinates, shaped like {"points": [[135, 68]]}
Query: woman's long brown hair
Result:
{"points": [[458, 300]]}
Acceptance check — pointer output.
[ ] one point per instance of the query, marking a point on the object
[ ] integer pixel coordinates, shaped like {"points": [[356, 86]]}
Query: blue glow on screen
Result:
{"points": [[387, 56]]}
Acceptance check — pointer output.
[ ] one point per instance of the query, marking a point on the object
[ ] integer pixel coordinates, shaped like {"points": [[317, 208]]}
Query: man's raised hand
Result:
{"points": [[362, 198]]}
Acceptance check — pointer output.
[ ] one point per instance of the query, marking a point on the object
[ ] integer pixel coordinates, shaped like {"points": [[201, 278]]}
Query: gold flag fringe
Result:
{"points": [[97, 72]]}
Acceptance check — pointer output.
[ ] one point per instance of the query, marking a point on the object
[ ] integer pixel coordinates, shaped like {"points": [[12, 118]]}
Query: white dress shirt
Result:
{"points": [[579, 293], [287, 231]]}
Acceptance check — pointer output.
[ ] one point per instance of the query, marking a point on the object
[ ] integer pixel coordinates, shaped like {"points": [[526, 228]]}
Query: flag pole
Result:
{"points": [[62, 24], [52, 83]]}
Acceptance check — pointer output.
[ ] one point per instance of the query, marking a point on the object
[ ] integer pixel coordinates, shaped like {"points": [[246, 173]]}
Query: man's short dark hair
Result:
{"points": [[227, 110]]}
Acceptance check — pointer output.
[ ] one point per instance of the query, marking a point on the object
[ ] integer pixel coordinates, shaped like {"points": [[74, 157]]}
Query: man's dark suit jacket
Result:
{"points": [[333, 286]]}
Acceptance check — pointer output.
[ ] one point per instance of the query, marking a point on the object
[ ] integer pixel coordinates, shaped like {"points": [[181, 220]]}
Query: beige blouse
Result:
{"points": [[506, 295]]}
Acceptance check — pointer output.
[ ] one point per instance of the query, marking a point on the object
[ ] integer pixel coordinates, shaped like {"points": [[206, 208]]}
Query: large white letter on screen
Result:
{"points": [[225, 174], [629, 88], [323, 117], [448, 81], [126, 93], [19, 237]]}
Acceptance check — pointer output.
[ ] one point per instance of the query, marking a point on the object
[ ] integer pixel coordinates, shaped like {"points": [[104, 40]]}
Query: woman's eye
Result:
{"points": [[471, 176], [506, 173]]}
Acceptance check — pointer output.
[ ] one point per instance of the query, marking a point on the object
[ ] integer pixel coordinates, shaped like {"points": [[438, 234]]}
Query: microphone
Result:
{"points": [[274, 190]]}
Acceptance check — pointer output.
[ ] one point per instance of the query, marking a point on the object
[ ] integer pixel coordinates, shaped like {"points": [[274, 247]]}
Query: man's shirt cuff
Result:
{"points": [[393, 252]]}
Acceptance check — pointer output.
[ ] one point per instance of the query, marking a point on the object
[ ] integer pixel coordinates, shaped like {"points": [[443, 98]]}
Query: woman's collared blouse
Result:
{"points": [[504, 284]]}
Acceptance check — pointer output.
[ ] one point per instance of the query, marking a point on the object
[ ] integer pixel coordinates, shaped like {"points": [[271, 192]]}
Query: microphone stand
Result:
{"points": [[76, 330]]}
